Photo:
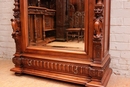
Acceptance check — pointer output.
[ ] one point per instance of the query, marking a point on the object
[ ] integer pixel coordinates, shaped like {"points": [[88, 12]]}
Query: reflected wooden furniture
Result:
{"points": [[72, 33], [76, 26], [88, 67], [40, 22]]}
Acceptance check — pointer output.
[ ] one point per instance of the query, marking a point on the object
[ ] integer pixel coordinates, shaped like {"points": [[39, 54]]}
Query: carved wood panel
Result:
{"points": [[40, 20], [49, 22], [56, 66], [96, 73]]}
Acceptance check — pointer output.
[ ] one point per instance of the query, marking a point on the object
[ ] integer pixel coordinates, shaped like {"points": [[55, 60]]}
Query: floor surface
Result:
{"points": [[8, 79]]}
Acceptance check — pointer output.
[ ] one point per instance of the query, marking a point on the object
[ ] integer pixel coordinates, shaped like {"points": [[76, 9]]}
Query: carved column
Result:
{"points": [[16, 34], [98, 27]]}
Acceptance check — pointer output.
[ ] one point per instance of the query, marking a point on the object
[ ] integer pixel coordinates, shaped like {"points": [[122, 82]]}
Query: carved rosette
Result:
{"points": [[98, 27], [16, 33]]}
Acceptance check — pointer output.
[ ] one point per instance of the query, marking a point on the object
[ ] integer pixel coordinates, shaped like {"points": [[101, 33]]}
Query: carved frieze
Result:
{"points": [[56, 66], [61, 67]]}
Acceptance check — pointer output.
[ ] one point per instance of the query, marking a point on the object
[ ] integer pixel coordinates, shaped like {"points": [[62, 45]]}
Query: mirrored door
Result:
{"points": [[56, 24]]}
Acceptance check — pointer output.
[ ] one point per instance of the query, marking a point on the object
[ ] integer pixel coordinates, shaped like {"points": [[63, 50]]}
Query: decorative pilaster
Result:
{"points": [[16, 34], [16, 26], [98, 27]]}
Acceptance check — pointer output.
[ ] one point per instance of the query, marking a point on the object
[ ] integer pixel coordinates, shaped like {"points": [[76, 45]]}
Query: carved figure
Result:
{"points": [[16, 34], [98, 28], [14, 26]]}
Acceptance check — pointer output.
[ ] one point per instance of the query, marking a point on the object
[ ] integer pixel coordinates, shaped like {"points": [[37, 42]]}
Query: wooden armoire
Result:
{"points": [[46, 31]]}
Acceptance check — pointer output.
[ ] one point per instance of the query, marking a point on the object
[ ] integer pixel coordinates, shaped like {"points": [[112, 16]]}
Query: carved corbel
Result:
{"points": [[17, 61], [95, 73]]}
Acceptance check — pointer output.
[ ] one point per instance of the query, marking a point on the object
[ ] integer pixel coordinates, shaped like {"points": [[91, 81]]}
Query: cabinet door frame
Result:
{"points": [[88, 37]]}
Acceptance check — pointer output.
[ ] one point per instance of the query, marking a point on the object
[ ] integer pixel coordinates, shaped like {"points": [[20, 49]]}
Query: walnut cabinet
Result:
{"points": [[66, 40]]}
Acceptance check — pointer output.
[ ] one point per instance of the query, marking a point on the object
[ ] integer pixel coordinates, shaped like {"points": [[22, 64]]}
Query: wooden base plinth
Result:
{"points": [[84, 74], [103, 83]]}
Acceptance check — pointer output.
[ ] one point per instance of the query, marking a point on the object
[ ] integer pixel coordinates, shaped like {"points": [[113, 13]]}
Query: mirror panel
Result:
{"points": [[57, 24]]}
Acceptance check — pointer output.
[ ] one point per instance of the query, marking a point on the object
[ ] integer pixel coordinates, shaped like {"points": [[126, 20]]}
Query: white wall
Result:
{"points": [[119, 42], [120, 37], [6, 42]]}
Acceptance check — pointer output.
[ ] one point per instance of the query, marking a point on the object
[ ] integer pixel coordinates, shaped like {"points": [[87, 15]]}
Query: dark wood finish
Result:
{"points": [[61, 17], [76, 25], [72, 33], [41, 20], [89, 67]]}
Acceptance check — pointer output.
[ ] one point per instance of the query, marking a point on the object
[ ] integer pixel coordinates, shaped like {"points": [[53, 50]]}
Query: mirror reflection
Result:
{"points": [[57, 24]]}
